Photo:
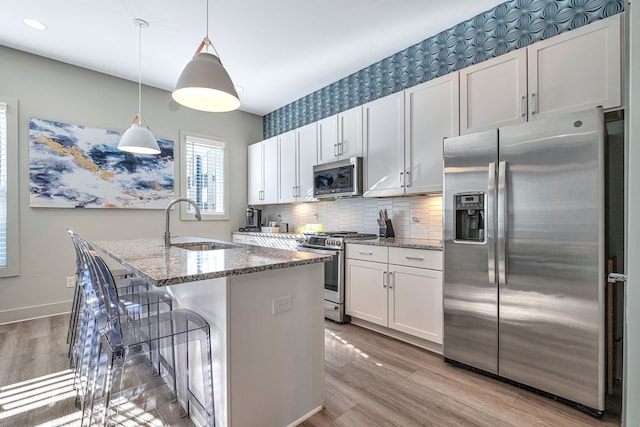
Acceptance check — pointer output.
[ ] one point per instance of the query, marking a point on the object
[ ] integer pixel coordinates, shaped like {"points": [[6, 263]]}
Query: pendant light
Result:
{"points": [[138, 139], [204, 84]]}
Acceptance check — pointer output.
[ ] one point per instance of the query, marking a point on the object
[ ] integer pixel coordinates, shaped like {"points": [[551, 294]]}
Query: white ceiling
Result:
{"points": [[277, 50]]}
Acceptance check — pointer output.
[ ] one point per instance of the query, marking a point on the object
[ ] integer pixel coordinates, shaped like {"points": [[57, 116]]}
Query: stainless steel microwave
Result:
{"points": [[338, 179]]}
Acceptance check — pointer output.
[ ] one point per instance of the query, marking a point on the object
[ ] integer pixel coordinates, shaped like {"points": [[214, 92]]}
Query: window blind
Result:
{"points": [[3, 184], [204, 160]]}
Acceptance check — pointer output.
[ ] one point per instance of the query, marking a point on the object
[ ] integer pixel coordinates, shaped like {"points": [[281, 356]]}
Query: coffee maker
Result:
{"points": [[253, 219]]}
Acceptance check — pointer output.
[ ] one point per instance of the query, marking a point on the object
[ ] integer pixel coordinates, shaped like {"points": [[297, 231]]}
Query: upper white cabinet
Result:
{"points": [[297, 155], [263, 168], [340, 136], [384, 146], [494, 93], [576, 70], [431, 113], [287, 167], [403, 136]]}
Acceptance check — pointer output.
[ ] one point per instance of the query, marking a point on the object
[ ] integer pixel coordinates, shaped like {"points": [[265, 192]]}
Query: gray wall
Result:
{"points": [[53, 90]]}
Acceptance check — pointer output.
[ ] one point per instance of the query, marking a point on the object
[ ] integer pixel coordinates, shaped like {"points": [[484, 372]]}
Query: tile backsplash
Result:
{"points": [[412, 217]]}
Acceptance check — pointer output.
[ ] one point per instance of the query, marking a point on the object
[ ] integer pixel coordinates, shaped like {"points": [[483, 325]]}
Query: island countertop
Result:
{"points": [[164, 267]]}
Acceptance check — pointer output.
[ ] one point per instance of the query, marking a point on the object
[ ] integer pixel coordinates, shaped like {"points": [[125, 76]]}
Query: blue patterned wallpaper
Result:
{"points": [[507, 27]]}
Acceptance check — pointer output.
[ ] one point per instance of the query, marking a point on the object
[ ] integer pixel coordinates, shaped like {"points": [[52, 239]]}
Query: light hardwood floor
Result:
{"points": [[371, 380]]}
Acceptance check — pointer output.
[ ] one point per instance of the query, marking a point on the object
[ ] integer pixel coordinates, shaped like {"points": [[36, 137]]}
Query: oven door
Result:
{"points": [[333, 274]]}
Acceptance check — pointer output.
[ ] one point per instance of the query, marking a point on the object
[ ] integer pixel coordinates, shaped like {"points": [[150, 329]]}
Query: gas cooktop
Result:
{"points": [[332, 239]]}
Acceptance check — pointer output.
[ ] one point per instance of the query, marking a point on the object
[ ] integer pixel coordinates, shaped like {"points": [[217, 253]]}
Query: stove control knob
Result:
{"points": [[302, 240]]}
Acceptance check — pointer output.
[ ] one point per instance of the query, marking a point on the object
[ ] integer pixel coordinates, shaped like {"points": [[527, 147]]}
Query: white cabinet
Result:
{"points": [[340, 136], [307, 157], [256, 178], [297, 155], [494, 93], [431, 114], [238, 238], [574, 71], [398, 288], [263, 167], [384, 146], [403, 136], [287, 167], [366, 288], [415, 301]]}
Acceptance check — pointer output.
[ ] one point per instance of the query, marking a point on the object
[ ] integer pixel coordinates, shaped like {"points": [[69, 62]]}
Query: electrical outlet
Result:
{"points": [[281, 304], [71, 281]]}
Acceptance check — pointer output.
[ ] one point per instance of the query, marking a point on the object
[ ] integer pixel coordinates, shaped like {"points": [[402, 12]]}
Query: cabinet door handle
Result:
{"points": [[366, 253], [534, 105], [293, 191], [415, 258], [407, 179], [335, 150], [390, 284], [401, 180], [384, 279], [523, 106]]}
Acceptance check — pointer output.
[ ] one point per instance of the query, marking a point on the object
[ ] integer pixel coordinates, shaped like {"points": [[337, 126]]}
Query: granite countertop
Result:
{"points": [[434, 245], [173, 265]]}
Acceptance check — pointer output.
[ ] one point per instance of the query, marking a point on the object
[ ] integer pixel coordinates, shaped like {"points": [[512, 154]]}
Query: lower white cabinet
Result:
{"points": [[405, 298], [367, 296], [415, 301], [238, 238]]}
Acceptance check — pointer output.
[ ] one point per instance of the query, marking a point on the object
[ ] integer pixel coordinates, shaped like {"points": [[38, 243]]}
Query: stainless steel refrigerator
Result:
{"points": [[524, 254]]}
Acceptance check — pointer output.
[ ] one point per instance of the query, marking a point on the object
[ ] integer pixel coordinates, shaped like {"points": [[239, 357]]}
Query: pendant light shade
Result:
{"points": [[205, 84], [138, 139]]}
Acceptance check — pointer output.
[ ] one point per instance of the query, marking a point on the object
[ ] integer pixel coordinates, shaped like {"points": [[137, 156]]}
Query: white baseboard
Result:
{"points": [[418, 342], [306, 416], [34, 312]]}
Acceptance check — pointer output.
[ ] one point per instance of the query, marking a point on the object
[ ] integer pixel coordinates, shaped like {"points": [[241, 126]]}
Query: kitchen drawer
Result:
{"points": [[416, 258], [367, 252]]}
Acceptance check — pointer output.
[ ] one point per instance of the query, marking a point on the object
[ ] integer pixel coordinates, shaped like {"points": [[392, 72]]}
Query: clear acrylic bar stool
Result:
{"points": [[135, 299], [122, 348]]}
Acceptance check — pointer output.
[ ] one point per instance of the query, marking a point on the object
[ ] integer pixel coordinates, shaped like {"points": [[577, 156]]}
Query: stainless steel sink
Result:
{"points": [[204, 246]]}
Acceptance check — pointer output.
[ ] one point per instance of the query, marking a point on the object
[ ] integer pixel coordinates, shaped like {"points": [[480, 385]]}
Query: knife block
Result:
{"points": [[386, 230]]}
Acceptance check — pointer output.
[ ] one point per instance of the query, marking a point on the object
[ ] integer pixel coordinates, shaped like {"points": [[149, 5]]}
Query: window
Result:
{"points": [[204, 176], [8, 187]]}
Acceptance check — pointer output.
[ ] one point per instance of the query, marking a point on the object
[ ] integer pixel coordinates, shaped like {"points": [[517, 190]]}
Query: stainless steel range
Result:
{"points": [[332, 243]]}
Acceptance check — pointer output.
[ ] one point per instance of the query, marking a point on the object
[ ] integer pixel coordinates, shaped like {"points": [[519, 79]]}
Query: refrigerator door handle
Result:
{"points": [[502, 223], [490, 228]]}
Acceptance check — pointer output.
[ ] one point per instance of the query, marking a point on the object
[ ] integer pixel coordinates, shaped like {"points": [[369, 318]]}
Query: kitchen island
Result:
{"points": [[265, 309]]}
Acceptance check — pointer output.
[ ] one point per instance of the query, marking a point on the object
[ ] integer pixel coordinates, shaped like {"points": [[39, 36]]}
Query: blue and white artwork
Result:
{"points": [[74, 166]]}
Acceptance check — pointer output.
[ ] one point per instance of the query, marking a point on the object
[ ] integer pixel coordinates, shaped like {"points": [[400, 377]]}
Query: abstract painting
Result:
{"points": [[74, 166]]}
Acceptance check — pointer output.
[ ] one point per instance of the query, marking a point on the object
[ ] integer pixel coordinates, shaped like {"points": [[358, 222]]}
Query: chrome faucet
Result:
{"points": [[167, 234]]}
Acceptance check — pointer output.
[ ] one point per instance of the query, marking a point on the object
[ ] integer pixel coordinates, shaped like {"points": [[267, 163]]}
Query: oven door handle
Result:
{"points": [[318, 250]]}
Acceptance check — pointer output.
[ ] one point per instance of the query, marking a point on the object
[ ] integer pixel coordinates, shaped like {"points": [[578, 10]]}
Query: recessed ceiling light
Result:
{"points": [[35, 24], [239, 88]]}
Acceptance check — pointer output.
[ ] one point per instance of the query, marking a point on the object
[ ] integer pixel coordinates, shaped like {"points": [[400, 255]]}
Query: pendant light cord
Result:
{"points": [[139, 73]]}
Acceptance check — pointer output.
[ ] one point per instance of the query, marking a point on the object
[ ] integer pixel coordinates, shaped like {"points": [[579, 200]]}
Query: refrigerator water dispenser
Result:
{"points": [[469, 217]]}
